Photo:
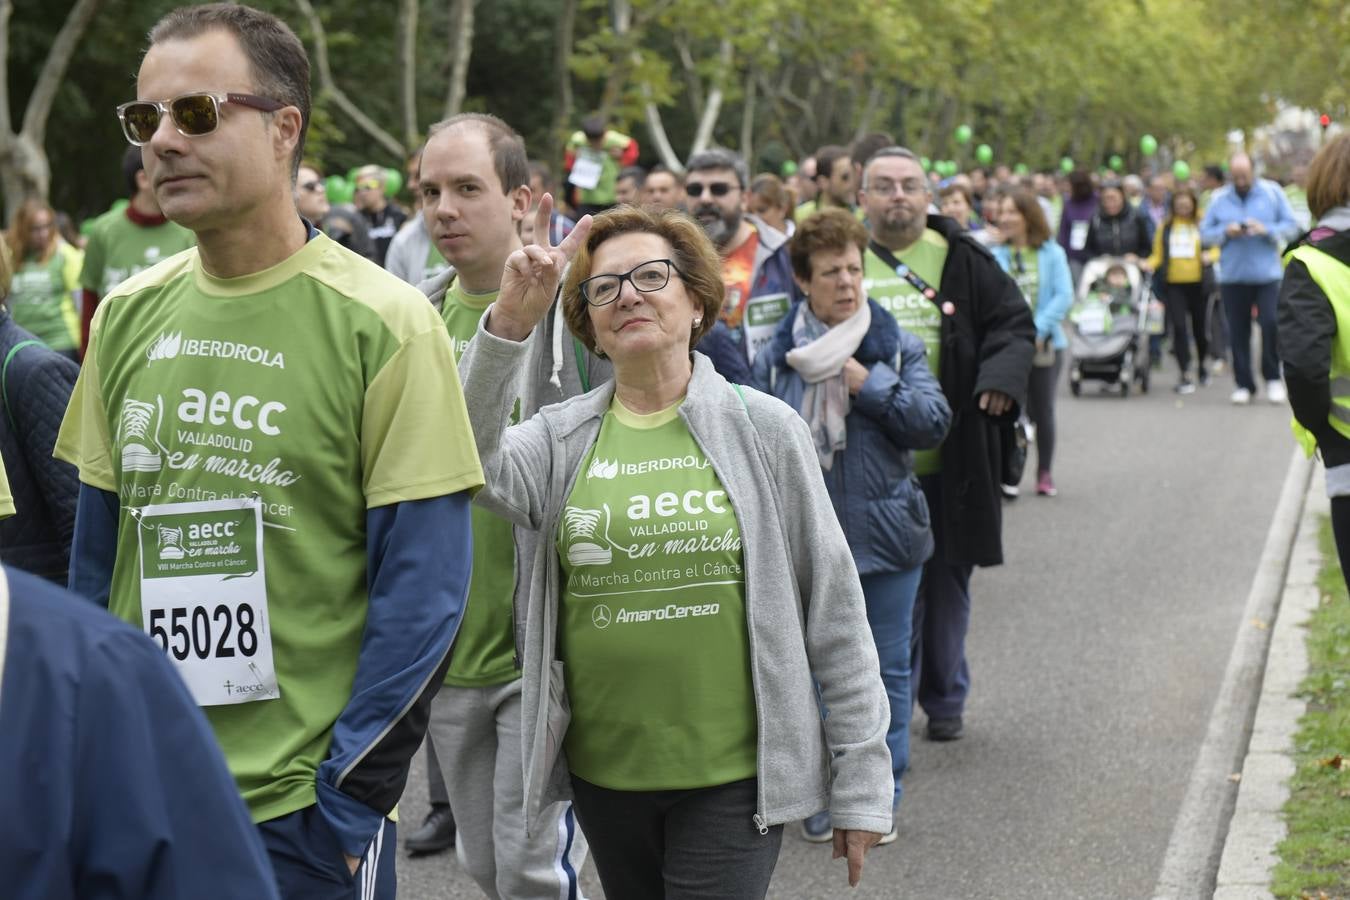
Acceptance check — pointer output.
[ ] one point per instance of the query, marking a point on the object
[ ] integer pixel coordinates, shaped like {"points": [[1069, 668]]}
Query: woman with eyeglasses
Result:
{"points": [[694, 586], [864, 387], [1040, 267], [46, 277]]}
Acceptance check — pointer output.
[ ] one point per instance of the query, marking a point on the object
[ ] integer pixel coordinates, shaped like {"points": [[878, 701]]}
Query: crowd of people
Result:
{"points": [[647, 501]]}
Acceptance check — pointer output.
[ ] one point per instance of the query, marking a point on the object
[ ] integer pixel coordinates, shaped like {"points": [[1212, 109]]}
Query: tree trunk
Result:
{"points": [[747, 147], [713, 107], [562, 76], [24, 169], [330, 88], [461, 46], [406, 61]]}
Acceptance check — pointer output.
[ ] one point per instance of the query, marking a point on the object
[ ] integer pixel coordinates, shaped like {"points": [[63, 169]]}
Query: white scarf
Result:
{"points": [[819, 355]]}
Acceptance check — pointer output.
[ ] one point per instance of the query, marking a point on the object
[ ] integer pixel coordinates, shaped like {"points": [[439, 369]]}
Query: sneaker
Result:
{"points": [[1031, 432], [1275, 392], [1204, 377], [1240, 397], [817, 829], [1185, 386], [1219, 365], [949, 729], [436, 834], [1010, 491], [1045, 485]]}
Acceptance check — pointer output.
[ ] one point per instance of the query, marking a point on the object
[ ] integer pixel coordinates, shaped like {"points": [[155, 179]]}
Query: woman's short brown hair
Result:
{"points": [[1038, 230], [694, 255], [829, 229], [1329, 177]]}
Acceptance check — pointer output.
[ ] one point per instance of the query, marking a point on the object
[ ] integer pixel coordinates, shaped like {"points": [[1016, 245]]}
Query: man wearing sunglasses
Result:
{"points": [[275, 462], [755, 265], [124, 242], [383, 219]]}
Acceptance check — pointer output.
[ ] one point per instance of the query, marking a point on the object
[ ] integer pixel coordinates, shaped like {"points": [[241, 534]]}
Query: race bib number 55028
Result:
{"points": [[204, 597]]}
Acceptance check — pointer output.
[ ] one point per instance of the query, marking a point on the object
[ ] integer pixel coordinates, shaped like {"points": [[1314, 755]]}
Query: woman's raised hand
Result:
{"points": [[530, 277]]}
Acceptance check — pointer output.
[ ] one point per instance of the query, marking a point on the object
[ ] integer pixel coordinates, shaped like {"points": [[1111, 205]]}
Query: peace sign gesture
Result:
{"points": [[530, 277]]}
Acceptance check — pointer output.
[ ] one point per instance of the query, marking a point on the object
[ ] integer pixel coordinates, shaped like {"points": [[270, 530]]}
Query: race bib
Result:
{"points": [[585, 173], [204, 597], [762, 315], [1181, 244], [1078, 233], [1090, 320]]}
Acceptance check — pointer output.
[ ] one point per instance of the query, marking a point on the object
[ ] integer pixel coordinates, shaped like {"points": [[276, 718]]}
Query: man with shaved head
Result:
{"points": [[1250, 219]]}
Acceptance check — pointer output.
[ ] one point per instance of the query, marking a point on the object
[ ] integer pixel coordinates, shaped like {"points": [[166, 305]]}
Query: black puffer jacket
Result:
{"points": [[1125, 232], [37, 386]]}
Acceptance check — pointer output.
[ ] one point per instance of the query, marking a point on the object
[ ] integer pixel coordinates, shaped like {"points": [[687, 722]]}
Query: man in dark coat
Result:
{"points": [[943, 286]]}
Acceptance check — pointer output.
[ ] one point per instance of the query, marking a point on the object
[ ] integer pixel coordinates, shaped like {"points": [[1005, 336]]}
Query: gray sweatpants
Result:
{"points": [[477, 737]]}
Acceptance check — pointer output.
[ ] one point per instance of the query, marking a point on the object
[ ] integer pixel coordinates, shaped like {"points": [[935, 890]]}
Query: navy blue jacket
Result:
{"points": [[900, 409], [111, 782], [37, 383]]}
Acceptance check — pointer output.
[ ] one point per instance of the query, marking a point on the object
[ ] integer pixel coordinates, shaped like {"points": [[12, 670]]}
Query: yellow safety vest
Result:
{"points": [[1333, 277]]}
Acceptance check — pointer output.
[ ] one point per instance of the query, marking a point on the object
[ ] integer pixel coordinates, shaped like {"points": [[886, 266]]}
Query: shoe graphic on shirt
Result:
{"points": [[140, 436], [580, 525], [170, 542]]}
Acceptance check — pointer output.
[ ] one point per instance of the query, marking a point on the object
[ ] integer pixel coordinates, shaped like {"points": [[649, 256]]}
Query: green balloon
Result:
{"points": [[789, 169], [1116, 162], [1181, 170], [950, 168], [393, 182], [1021, 169], [339, 189], [964, 133], [1066, 164], [1148, 145], [926, 163], [985, 154]]}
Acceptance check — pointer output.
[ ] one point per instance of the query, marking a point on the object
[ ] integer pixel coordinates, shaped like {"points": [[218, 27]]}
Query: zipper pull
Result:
{"points": [[760, 824]]}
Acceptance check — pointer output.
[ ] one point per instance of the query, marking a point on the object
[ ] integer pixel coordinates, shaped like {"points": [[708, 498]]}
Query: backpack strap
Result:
{"points": [[740, 393], [4, 376]]}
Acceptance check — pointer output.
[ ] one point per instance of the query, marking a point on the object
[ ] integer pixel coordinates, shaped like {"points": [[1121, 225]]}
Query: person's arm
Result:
{"points": [[1051, 311], [1306, 330], [93, 545], [1212, 232], [1286, 226], [39, 422], [1155, 257], [419, 557], [156, 814], [1005, 336], [908, 405]]}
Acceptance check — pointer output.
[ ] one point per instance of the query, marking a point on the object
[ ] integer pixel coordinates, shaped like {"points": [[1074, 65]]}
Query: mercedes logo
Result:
{"points": [[600, 616]]}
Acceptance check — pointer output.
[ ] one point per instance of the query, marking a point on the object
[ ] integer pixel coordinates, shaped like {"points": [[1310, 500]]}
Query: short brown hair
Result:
{"points": [[829, 229], [696, 258], [280, 67], [1329, 177], [1038, 230], [507, 147]]}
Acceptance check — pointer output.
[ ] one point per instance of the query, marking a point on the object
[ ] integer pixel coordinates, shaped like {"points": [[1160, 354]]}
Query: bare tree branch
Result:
{"points": [[461, 46], [693, 89], [406, 62], [6, 123], [748, 120], [329, 87], [713, 108], [562, 75], [54, 69]]}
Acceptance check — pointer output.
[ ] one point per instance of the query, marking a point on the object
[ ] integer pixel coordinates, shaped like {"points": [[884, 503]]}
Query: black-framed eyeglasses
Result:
{"points": [[654, 274], [716, 188], [194, 115]]}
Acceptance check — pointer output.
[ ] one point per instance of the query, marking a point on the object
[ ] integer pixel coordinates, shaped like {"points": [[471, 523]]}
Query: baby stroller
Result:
{"points": [[1108, 328]]}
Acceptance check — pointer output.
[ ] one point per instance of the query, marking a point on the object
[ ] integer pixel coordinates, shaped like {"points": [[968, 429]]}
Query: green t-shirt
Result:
{"points": [[312, 384], [653, 631], [916, 313], [41, 298], [6, 498], [1025, 269], [435, 265], [485, 649], [119, 248], [604, 192]]}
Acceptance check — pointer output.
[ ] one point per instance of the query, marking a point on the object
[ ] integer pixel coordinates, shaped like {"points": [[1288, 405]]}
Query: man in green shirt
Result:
{"points": [[834, 180], [474, 183], [124, 242], [276, 462], [594, 157]]}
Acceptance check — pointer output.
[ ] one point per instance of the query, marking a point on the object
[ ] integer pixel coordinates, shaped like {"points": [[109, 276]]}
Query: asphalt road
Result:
{"points": [[1096, 654]]}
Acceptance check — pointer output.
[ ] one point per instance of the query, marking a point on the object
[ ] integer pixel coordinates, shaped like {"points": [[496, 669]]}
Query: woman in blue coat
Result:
{"points": [[866, 389], [1041, 269]]}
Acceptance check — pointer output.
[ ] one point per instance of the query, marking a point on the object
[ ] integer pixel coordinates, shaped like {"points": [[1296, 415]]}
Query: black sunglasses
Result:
{"points": [[193, 114], [716, 188]]}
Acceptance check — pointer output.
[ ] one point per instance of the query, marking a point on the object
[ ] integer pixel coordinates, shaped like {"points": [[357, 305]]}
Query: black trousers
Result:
{"points": [[697, 844], [1187, 311]]}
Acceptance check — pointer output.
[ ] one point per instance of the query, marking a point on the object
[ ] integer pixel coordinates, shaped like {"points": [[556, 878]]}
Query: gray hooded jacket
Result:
{"points": [[804, 604]]}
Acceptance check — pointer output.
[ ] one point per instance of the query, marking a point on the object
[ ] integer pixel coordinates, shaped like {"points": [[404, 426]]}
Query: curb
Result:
{"points": [[1258, 823], [1196, 846]]}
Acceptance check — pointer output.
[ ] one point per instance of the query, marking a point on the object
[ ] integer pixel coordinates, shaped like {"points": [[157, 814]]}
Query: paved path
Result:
{"points": [[1097, 654]]}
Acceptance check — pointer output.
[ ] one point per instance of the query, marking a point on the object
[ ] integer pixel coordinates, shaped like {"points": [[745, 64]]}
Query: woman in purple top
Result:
{"points": [[1076, 219]]}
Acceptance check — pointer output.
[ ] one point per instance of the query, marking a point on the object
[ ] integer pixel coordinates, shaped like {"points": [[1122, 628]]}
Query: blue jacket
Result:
{"points": [[872, 485], [1054, 296], [1249, 259], [111, 782]]}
